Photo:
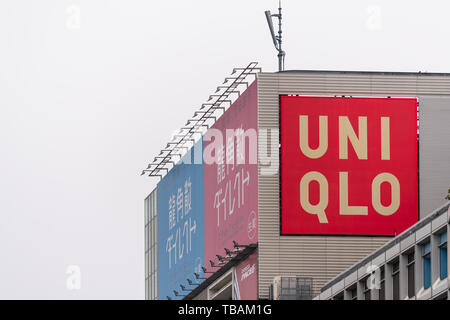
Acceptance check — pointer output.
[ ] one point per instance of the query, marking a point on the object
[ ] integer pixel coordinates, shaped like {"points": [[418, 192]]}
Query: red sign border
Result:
{"points": [[281, 168]]}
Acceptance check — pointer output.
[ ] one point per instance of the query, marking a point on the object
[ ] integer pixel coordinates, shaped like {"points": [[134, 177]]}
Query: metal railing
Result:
{"points": [[201, 121]]}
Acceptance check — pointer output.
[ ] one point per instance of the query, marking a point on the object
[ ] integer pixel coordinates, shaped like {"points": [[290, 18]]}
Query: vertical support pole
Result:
{"points": [[280, 51]]}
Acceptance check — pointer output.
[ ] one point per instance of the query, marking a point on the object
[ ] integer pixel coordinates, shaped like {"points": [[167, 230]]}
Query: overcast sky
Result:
{"points": [[90, 90]]}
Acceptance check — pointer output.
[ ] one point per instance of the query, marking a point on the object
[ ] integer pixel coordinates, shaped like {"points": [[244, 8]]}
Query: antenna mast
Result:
{"points": [[277, 40]]}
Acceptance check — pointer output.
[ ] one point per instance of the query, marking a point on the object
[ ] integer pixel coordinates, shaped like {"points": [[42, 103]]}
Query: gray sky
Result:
{"points": [[90, 90]]}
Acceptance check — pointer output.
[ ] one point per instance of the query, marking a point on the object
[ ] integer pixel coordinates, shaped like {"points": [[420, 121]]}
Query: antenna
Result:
{"points": [[270, 23], [276, 39]]}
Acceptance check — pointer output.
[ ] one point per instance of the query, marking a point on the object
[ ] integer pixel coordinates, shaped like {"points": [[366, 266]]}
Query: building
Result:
{"points": [[362, 157], [412, 266]]}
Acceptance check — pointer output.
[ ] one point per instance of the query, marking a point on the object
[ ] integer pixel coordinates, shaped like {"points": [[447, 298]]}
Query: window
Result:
{"points": [[147, 287], [443, 255], [304, 288], [288, 288], [426, 265], [382, 286], [296, 288], [395, 280], [353, 293], [366, 289], [146, 238], [339, 296], [410, 267], [145, 213], [151, 245], [223, 288]]}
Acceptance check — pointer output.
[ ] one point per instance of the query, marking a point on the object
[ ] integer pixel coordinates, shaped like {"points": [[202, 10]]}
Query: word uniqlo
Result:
{"points": [[359, 144]]}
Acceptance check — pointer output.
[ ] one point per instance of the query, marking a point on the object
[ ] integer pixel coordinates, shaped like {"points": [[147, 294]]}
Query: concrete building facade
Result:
{"points": [[412, 266]]}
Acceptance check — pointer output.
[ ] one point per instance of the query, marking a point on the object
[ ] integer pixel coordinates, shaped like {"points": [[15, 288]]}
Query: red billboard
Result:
{"points": [[231, 180], [245, 279], [348, 165]]}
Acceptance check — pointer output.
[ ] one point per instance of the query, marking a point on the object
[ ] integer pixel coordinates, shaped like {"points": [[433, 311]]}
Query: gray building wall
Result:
{"points": [[434, 151], [324, 257]]}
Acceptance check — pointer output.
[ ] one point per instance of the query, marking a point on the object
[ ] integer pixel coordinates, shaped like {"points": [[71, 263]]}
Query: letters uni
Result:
{"points": [[358, 141]]}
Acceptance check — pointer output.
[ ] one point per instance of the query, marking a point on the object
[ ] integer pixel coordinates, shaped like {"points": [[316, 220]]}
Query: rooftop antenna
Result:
{"points": [[276, 39]]}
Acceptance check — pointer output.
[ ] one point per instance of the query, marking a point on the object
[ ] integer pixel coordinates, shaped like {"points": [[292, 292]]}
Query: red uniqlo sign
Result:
{"points": [[348, 165]]}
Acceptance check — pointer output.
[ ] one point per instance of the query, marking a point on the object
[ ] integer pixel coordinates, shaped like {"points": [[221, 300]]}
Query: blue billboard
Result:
{"points": [[181, 224]]}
